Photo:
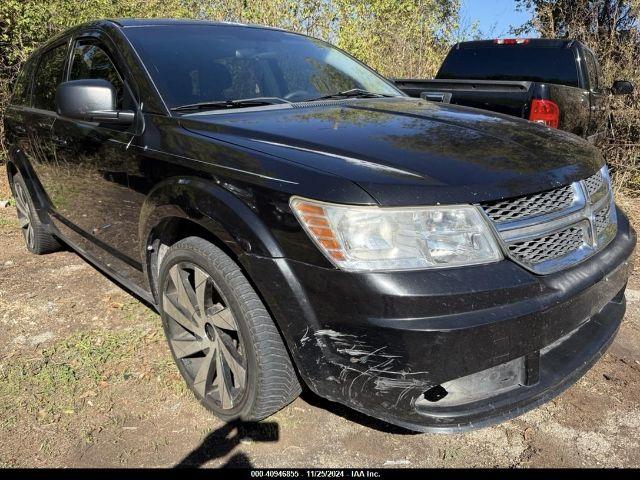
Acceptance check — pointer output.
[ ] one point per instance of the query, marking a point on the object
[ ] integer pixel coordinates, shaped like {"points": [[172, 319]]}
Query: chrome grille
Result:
{"points": [[549, 231], [596, 186], [529, 206], [594, 183], [549, 247], [601, 219]]}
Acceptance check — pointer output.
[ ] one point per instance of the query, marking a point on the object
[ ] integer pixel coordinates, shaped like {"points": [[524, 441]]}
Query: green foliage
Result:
{"points": [[26, 23], [399, 38], [53, 380]]}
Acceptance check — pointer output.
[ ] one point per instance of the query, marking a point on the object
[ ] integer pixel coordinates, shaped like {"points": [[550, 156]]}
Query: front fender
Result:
{"points": [[209, 205]]}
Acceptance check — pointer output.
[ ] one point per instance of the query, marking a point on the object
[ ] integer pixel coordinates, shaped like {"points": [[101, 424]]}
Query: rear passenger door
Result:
{"points": [[50, 71], [18, 118], [93, 159]]}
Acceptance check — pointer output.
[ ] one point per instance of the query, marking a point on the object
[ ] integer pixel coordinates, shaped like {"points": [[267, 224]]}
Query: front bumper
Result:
{"points": [[496, 339]]}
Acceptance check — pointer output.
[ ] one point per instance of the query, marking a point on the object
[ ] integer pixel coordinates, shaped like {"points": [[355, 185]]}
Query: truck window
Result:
{"points": [[48, 77], [534, 64], [592, 70]]}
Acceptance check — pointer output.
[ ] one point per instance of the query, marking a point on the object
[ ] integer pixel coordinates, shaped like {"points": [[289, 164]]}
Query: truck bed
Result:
{"points": [[508, 97]]}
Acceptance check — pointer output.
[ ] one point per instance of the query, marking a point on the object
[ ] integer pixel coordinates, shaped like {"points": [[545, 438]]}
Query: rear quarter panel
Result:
{"points": [[574, 107]]}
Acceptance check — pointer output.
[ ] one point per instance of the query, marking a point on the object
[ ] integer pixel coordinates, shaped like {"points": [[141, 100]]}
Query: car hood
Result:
{"points": [[406, 151]]}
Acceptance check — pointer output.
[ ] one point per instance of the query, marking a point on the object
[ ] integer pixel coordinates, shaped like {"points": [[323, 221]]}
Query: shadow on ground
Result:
{"points": [[225, 439]]}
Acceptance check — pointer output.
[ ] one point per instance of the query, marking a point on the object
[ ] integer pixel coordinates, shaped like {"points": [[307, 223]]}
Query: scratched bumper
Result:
{"points": [[377, 342]]}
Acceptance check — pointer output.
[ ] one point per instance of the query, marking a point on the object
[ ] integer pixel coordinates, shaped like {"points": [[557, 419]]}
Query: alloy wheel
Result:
{"points": [[24, 215], [204, 335]]}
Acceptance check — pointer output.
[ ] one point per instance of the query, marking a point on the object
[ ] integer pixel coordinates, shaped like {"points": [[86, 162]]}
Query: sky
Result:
{"points": [[494, 16]]}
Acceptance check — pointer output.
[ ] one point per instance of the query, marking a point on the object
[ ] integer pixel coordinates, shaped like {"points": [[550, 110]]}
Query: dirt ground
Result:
{"points": [[86, 380]]}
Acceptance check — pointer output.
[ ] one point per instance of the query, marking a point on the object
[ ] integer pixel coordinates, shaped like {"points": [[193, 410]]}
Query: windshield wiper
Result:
{"points": [[352, 93], [223, 104]]}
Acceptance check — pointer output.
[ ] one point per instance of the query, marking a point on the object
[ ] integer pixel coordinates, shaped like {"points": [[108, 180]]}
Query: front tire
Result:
{"points": [[35, 234], [222, 338]]}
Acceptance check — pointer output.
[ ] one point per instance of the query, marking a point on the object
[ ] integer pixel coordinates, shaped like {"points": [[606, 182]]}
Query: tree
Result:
{"points": [[399, 38], [558, 18]]}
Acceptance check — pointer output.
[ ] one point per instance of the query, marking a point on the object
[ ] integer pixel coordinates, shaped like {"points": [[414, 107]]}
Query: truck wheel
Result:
{"points": [[36, 237], [222, 338]]}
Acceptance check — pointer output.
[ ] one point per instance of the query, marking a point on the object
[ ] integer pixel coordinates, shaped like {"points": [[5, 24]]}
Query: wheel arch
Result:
{"points": [[18, 163], [11, 170], [181, 207]]}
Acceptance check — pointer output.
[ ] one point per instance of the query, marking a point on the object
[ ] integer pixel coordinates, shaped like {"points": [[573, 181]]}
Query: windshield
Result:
{"points": [[207, 63], [534, 64]]}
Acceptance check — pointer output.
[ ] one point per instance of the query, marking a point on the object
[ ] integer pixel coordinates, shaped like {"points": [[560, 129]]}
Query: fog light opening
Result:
{"points": [[436, 393]]}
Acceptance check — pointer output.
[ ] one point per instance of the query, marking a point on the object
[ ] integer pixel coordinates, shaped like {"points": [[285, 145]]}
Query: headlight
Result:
{"points": [[406, 238]]}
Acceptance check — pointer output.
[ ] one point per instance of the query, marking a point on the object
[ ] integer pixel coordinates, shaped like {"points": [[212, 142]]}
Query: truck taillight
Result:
{"points": [[545, 111]]}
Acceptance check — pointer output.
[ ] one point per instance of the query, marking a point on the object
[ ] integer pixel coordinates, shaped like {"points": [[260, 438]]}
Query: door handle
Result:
{"points": [[444, 97]]}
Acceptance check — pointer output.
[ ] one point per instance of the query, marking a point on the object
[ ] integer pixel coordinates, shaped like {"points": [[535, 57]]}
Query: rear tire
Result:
{"points": [[36, 236], [222, 338]]}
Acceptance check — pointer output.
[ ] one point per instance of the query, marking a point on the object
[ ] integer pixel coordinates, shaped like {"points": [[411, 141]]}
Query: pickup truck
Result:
{"points": [[297, 220], [554, 82]]}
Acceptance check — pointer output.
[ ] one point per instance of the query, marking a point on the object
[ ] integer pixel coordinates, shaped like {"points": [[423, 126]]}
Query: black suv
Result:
{"points": [[296, 219]]}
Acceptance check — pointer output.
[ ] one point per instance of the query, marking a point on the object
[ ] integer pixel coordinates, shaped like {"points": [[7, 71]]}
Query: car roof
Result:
{"points": [[124, 23], [177, 22]]}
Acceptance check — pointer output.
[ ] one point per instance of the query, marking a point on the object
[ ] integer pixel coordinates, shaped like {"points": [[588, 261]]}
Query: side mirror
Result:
{"points": [[622, 87], [92, 100]]}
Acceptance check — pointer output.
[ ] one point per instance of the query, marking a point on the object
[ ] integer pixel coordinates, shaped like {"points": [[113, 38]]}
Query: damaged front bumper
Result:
{"points": [[447, 350]]}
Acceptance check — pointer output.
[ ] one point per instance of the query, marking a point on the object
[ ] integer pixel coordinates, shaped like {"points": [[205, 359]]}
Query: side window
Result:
{"points": [[48, 76], [592, 70], [21, 88], [91, 61]]}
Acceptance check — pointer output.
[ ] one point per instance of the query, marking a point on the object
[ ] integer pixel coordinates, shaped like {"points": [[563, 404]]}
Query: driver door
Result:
{"points": [[94, 206]]}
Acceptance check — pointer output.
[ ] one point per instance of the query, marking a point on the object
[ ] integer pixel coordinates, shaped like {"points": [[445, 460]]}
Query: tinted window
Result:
{"points": [[21, 88], [91, 61], [592, 70], [536, 64], [192, 64], [48, 77]]}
